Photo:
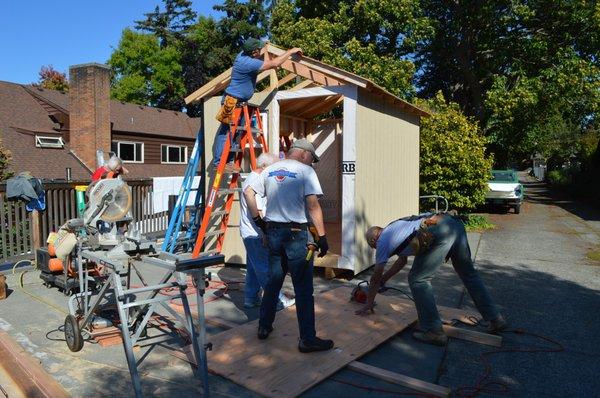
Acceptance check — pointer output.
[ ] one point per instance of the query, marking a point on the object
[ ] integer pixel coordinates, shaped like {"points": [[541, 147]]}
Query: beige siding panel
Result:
{"points": [[387, 168]]}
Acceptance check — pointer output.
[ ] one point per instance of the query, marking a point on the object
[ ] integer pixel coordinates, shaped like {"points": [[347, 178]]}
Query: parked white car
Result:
{"points": [[505, 190]]}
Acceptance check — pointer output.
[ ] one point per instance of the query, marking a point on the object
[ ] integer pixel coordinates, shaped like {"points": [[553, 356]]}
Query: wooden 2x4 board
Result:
{"points": [[275, 368]]}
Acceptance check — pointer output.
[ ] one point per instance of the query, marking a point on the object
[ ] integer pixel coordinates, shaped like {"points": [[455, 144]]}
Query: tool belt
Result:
{"points": [[287, 225], [420, 240], [226, 111]]}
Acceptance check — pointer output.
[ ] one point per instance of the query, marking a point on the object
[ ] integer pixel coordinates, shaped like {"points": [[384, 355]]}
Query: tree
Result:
{"points": [[5, 158], [373, 38], [144, 73], [453, 162], [52, 79], [168, 25]]}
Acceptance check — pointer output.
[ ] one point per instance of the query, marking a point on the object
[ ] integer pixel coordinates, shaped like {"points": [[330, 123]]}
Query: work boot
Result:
{"points": [[436, 337], [314, 345], [497, 325], [263, 332]]}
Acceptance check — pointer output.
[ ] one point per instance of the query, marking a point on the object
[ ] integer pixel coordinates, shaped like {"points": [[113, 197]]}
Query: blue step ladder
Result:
{"points": [[173, 240]]}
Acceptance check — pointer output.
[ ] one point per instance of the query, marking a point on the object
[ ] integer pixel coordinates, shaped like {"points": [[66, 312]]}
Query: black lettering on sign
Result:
{"points": [[348, 168]]}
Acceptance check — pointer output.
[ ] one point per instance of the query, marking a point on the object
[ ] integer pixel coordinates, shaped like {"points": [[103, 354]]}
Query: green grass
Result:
{"points": [[477, 222], [594, 254]]}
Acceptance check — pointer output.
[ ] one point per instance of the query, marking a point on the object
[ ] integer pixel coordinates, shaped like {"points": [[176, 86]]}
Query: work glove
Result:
{"points": [[323, 245], [260, 223]]}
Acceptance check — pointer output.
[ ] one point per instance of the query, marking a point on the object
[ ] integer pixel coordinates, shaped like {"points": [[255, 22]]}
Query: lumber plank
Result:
{"points": [[323, 68], [400, 379], [223, 78], [473, 336], [275, 368], [27, 373], [219, 322], [301, 85]]}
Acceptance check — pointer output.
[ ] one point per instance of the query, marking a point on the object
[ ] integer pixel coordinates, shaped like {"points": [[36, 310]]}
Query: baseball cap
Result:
{"points": [[252, 44], [307, 146]]}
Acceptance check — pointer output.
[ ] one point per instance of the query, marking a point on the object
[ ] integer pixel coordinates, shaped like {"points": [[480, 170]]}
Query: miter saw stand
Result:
{"points": [[105, 242]]}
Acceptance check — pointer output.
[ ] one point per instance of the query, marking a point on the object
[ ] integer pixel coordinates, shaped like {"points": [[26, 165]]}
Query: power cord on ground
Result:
{"points": [[27, 292]]}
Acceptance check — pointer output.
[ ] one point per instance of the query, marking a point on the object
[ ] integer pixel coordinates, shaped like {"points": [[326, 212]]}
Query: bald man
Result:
{"points": [[431, 239]]}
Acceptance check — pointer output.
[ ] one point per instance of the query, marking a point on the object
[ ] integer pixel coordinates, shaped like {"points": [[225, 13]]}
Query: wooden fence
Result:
{"points": [[21, 232]]}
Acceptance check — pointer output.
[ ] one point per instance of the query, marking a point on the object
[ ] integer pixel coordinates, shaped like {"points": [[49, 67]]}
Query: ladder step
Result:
{"points": [[209, 252], [253, 129], [228, 191], [214, 233], [218, 213]]}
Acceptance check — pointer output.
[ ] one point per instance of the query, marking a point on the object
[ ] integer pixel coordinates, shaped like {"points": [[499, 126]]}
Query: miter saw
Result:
{"points": [[107, 247]]}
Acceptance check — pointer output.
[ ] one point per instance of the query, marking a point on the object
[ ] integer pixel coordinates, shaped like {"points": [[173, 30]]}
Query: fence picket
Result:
{"points": [[3, 227]]}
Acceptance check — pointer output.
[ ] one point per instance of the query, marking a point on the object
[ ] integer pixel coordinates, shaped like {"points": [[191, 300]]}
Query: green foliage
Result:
{"points": [[551, 113], [453, 160], [5, 158], [144, 73], [52, 79], [558, 178], [477, 222], [171, 55], [371, 38]]}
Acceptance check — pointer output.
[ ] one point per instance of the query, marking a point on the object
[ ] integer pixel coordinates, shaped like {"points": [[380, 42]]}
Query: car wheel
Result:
{"points": [[518, 209]]}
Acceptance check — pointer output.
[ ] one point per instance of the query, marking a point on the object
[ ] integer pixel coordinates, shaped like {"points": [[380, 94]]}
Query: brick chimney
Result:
{"points": [[89, 111]]}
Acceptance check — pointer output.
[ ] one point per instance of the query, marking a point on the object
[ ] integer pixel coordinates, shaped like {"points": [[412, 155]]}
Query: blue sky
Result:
{"points": [[62, 33]]}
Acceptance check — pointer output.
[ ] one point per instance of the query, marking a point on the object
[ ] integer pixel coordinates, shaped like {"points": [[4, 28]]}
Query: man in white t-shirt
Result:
{"points": [[292, 190], [257, 254]]}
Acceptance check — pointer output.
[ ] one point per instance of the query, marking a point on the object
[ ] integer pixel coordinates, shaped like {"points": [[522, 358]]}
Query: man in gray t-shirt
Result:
{"points": [[431, 239], [292, 190]]}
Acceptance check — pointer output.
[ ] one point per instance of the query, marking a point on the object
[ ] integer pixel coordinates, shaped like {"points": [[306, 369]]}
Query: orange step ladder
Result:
{"points": [[248, 137]]}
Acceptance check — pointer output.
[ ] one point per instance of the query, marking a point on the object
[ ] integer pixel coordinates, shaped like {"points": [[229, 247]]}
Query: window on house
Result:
{"points": [[132, 152], [173, 154], [49, 142]]}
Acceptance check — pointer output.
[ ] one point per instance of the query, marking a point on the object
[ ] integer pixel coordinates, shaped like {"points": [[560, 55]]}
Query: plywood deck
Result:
{"points": [[275, 368]]}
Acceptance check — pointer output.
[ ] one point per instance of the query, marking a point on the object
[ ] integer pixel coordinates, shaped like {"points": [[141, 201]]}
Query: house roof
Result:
{"points": [[128, 117], [25, 110], [312, 70], [21, 116]]}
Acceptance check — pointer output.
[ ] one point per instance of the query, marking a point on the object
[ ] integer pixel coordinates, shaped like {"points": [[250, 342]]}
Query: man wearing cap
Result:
{"points": [[292, 190], [246, 67]]}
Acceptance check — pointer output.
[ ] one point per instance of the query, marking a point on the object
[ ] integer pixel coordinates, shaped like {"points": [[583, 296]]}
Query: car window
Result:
{"points": [[503, 176]]}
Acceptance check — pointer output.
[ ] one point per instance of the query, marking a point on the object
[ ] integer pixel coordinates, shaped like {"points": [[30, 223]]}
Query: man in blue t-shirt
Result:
{"points": [[246, 67], [431, 239]]}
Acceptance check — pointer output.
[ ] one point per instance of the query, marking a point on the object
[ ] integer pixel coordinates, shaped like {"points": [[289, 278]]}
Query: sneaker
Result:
{"points": [[436, 337], [497, 325], [263, 332], [315, 345], [252, 304], [284, 302]]}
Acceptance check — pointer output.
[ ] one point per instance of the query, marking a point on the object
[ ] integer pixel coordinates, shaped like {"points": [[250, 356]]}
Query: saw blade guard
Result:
{"points": [[113, 196]]}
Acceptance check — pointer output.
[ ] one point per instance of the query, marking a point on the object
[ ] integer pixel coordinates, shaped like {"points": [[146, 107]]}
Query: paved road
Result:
{"points": [[535, 264]]}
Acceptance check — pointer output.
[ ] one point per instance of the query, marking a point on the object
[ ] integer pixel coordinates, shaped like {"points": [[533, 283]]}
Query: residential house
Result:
{"points": [[48, 132]]}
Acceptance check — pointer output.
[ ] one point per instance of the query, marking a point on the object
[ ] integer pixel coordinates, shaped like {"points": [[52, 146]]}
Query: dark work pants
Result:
{"points": [[287, 252]]}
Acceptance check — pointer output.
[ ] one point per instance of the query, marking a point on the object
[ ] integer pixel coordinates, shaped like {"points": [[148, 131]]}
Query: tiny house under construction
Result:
{"points": [[367, 138]]}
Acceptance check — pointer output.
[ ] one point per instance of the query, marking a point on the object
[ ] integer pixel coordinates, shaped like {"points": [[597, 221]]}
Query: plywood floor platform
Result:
{"points": [[275, 368]]}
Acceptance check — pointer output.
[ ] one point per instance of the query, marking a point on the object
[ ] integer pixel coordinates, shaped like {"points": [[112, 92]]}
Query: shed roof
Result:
{"points": [[312, 70]]}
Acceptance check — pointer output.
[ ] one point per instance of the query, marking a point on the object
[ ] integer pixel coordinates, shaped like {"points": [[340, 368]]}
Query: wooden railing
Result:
{"points": [[21, 232]]}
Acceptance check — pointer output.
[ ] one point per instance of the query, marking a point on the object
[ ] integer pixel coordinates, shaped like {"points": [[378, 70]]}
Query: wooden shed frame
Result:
{"points": [[317, 87]]}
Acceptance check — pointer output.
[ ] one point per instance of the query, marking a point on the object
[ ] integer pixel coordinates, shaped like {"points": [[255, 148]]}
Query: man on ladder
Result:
{"points": [[246, 67]]}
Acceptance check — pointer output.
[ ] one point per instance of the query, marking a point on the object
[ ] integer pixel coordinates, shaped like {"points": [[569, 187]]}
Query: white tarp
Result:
{"points": [[162, 187]]}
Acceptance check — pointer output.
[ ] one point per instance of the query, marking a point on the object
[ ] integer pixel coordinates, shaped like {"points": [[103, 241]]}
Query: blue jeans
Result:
{"points": [[450, 239], [257, 268], [221, 138], [287, 252]]}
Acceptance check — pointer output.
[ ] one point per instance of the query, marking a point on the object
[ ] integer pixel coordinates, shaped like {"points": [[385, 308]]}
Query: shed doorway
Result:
{"points": [[317, 115]]}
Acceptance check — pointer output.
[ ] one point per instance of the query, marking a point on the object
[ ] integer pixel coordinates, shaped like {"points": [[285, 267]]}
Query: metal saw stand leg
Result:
{"points": [[131, 363], [198, 278]]}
